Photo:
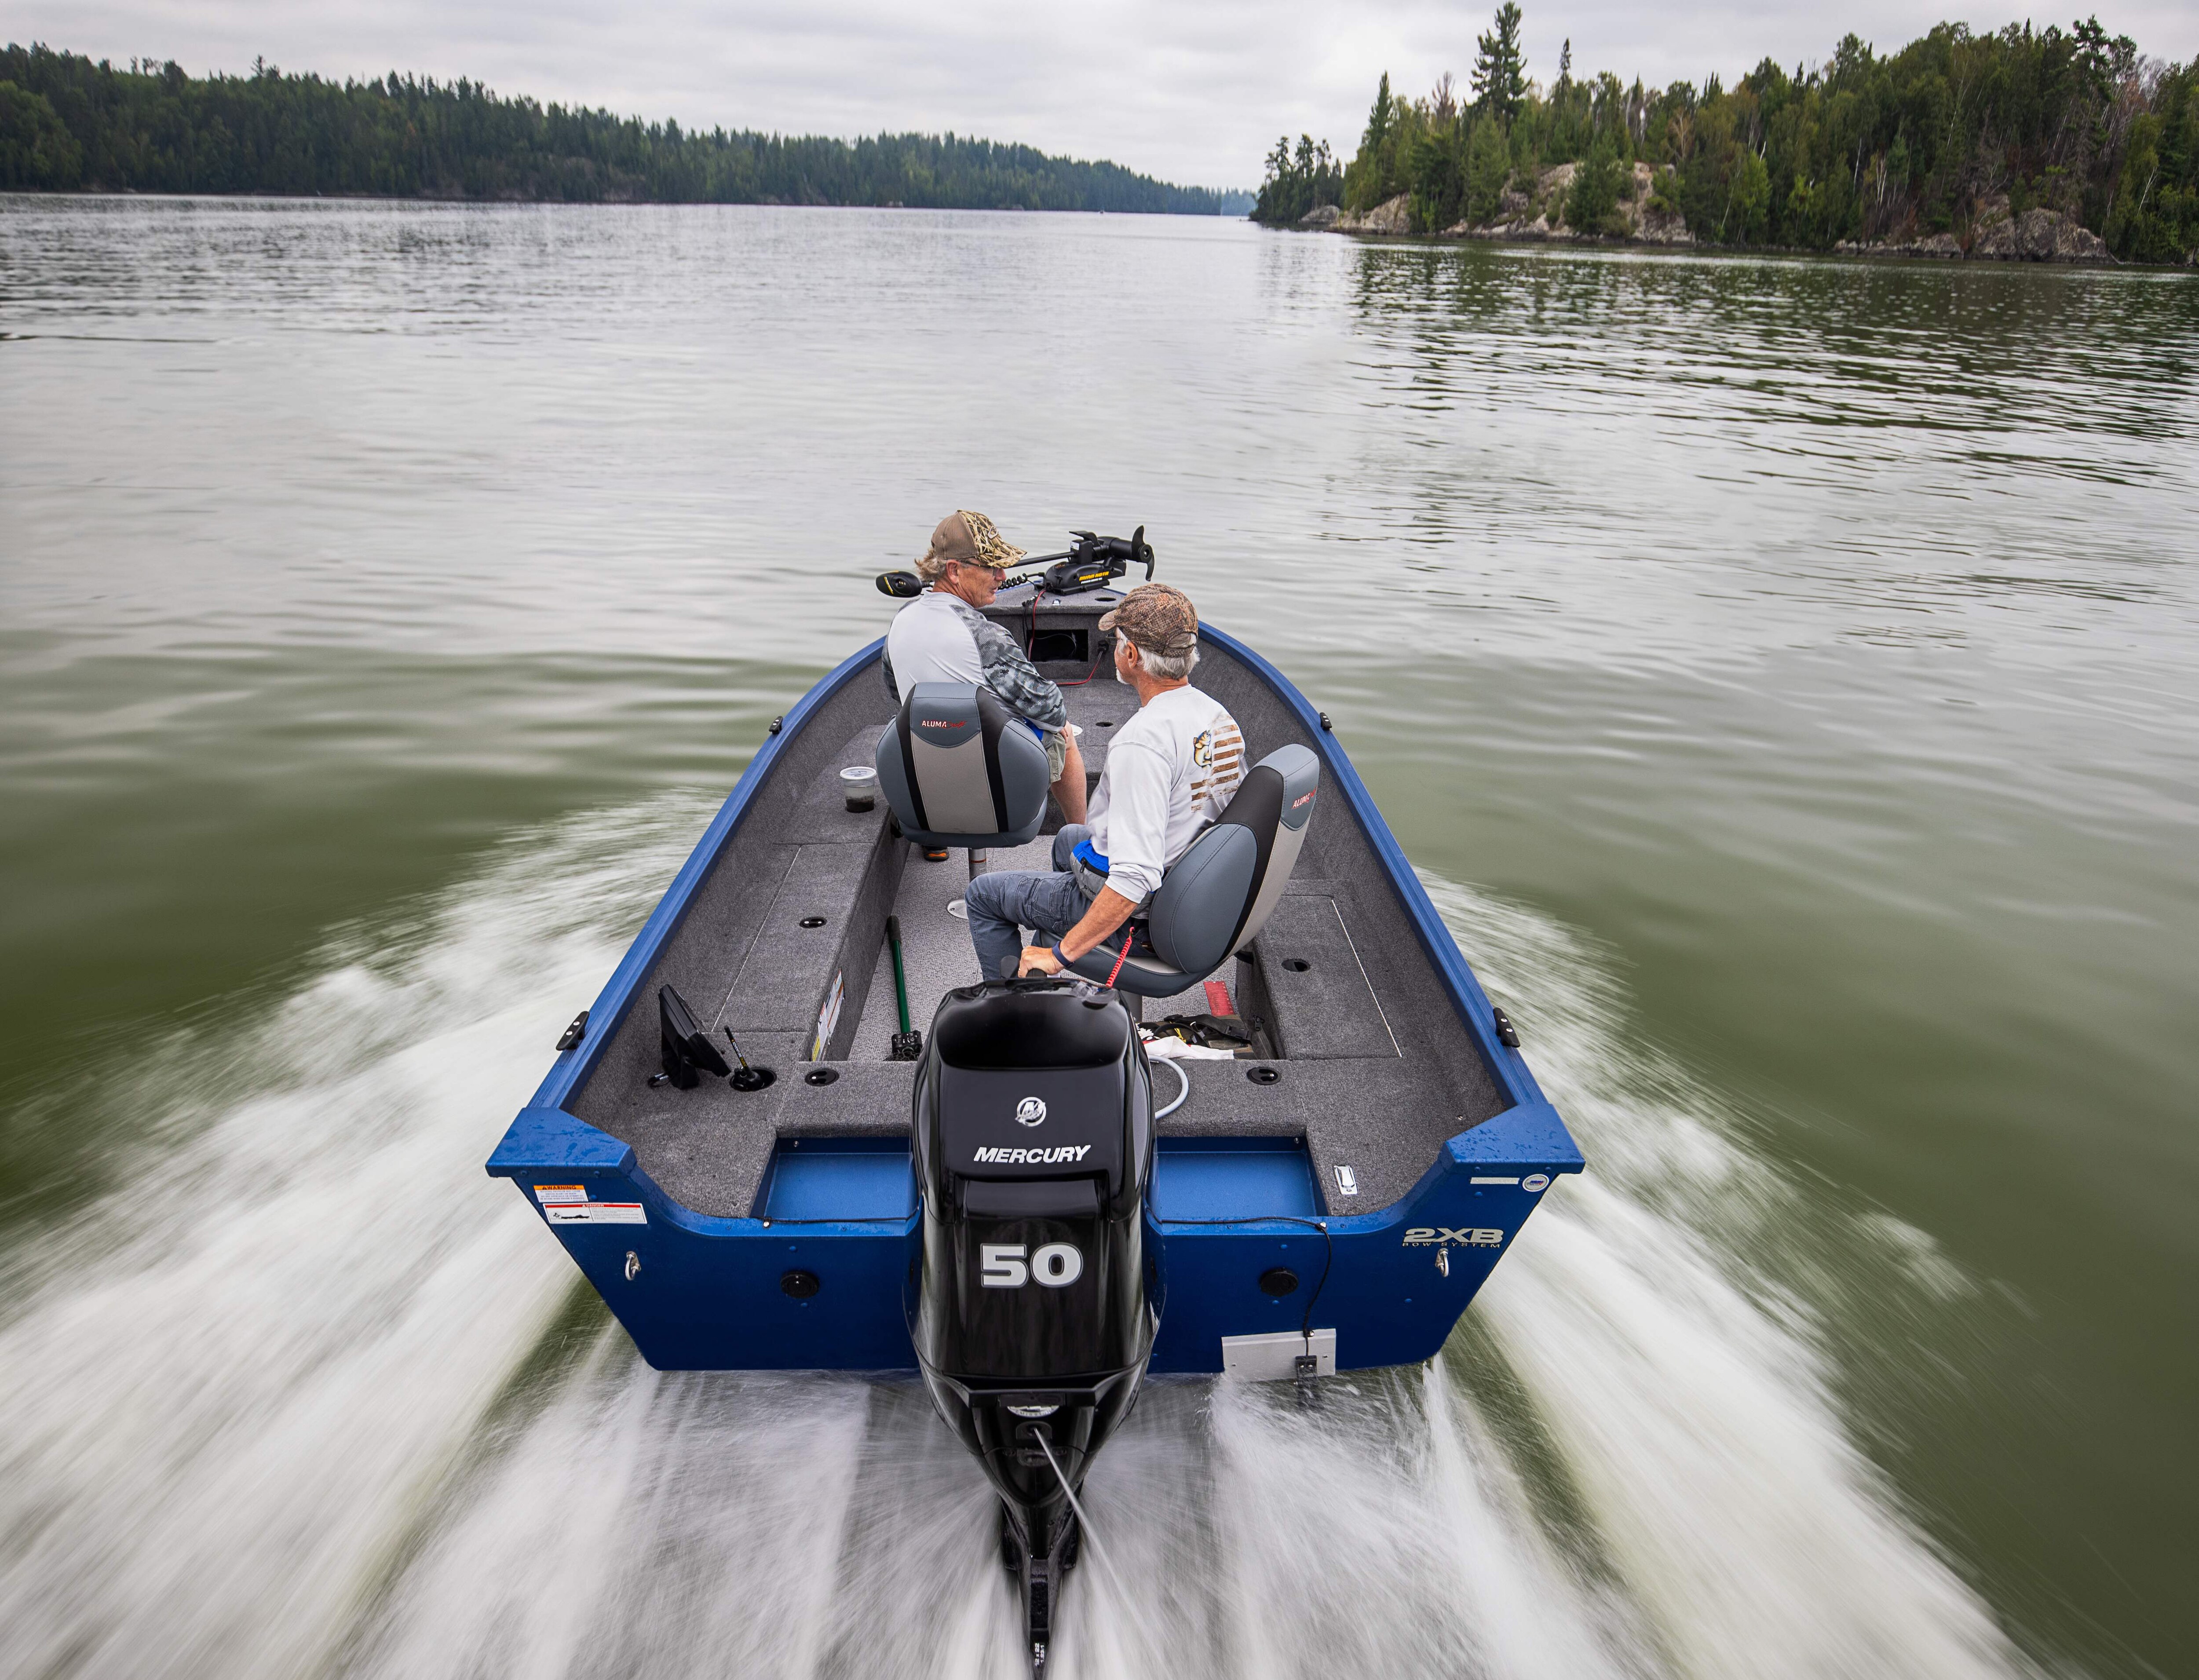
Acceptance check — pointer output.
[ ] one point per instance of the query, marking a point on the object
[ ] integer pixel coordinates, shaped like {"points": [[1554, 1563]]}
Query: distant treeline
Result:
{"points": [[68, 124], [1861, 147]]}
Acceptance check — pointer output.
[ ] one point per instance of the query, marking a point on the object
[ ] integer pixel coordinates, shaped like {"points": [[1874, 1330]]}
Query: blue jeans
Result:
{"points": [[1000, 904]]}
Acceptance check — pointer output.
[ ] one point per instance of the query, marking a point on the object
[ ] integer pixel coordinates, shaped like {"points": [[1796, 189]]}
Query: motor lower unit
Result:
{"points": [[1037, 1296]]}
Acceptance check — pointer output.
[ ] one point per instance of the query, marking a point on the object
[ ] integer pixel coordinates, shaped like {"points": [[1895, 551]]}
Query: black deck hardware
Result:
{"points": [[746, 1077], [799, 1284], [820, 1075], [1264, 1075], [777, 724], [1278, 1281], [1325, 723], [1507, 1032], [573, 1034]]}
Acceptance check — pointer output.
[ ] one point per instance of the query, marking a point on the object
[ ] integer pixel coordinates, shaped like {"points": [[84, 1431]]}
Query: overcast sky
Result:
{"points": [[1193, 91]]}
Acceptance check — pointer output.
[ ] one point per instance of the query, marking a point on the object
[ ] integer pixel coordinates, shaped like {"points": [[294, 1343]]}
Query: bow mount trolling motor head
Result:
{"points": [[1090, 562], [1037, 1296]]}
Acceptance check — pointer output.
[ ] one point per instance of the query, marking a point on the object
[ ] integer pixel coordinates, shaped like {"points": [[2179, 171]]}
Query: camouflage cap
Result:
{"points": [[1158, 617], [973, 538]]}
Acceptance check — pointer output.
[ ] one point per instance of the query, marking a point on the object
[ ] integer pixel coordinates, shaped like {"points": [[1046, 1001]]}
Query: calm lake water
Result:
{"points": [[1786, 671]]}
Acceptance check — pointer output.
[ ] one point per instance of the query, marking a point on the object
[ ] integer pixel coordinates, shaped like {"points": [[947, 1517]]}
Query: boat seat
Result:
{"points": [[1215, 898], [958, 769]]}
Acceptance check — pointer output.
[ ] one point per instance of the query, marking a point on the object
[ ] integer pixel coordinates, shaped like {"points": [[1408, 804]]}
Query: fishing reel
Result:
{"points": [[1092, 562]]}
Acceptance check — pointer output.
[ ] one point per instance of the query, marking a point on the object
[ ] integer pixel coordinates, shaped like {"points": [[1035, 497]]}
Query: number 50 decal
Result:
{"points": [[1057, 1265]]}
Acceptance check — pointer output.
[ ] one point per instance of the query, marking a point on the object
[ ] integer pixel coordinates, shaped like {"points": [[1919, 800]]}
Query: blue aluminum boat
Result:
{"points": [[1343, 1139]]}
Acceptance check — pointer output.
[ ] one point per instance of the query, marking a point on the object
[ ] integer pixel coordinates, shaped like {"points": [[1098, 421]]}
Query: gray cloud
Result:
{"points": [[1192, 93]]}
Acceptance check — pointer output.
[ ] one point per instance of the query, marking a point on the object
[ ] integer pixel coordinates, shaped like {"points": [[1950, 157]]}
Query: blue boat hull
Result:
{"points": [[700, 1292]]}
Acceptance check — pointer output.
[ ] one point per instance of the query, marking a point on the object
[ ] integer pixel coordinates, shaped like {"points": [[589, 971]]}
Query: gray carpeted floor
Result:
{"points": [[936, 949]]}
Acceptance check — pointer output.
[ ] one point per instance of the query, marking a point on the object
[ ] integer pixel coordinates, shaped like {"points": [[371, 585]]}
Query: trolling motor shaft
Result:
{"points": [[1090, 562]]}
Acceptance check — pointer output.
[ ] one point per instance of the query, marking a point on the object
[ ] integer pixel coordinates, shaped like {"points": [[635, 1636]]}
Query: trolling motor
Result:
{"points": [[1036, 1298], [1088, 563]]}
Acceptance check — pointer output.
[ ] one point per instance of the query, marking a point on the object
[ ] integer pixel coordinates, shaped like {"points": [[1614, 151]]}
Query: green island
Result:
{"points": [[2021, 143], [68, 124]]}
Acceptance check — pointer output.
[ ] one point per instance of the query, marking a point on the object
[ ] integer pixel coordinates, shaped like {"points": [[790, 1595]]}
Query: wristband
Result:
{"points": [[1058, 954]]}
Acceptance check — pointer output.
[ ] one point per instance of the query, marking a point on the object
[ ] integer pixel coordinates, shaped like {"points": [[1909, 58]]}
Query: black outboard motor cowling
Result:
{"points": [[1036, 1301]]}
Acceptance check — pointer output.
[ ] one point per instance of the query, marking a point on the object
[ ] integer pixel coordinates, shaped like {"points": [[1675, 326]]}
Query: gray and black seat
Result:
{"points": [[958, 769], [1215, 898]]}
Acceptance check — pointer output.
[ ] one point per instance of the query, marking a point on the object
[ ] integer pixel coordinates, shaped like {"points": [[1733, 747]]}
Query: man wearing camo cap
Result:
{"points": [[941, 637], [1171, 770]]}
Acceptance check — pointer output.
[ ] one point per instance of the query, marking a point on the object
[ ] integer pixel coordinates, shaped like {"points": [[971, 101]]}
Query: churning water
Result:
{"points": [[308, 1394]]}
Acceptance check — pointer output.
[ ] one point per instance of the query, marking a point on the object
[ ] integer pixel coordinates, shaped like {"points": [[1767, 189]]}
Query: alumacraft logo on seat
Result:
{"points": [[1031, 1157]]}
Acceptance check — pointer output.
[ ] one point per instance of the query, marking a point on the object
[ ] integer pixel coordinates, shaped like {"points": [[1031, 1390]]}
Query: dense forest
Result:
{"points": [[1862, 148], [68, 124]]}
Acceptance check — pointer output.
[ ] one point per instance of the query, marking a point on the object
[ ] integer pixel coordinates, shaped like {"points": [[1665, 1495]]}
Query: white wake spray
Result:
{"points": [[228, 1385], [310, 1395]]}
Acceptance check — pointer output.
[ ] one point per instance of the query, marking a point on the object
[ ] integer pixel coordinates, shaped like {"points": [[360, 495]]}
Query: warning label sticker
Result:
{"points": [[828, 1018], [595, 1213], [547, 1194]]}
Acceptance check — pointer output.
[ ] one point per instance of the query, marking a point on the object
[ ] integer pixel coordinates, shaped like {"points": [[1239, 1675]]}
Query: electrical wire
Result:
{"points": [[1031, 641], [1184, 1077]]}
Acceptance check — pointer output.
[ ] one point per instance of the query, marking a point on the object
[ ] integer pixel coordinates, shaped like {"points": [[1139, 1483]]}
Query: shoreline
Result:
{"points": [[2038, 238]]}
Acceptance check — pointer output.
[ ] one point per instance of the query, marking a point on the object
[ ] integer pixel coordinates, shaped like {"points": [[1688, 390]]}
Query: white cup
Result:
{"points": [[859, 783]]}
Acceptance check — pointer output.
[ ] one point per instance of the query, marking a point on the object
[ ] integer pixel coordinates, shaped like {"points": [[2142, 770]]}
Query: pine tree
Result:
{"points": [[1499, 69], [1488, 167]]}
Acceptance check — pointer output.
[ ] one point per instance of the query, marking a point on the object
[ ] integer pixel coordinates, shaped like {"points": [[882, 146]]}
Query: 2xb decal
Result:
{"points": [[1466, 1236], [1056, 1265]]}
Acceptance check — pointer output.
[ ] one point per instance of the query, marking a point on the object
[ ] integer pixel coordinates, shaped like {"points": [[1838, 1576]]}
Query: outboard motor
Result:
{"points": [[1036, 1297]]}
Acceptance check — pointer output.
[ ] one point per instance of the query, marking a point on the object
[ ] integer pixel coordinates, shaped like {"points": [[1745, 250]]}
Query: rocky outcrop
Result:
{"points": [[1536, 210], [1393, 216], [1996, 236], [1938, 245], [2039, 235], [1539, 213]]}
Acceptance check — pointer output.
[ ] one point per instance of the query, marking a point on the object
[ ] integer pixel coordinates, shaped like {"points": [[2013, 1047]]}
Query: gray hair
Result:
{"points": [[930, 568], [1166, 666]]}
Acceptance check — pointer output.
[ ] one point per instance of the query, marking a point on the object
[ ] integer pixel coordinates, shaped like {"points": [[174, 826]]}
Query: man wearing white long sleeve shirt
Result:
{"points": [[1170, 770]]}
